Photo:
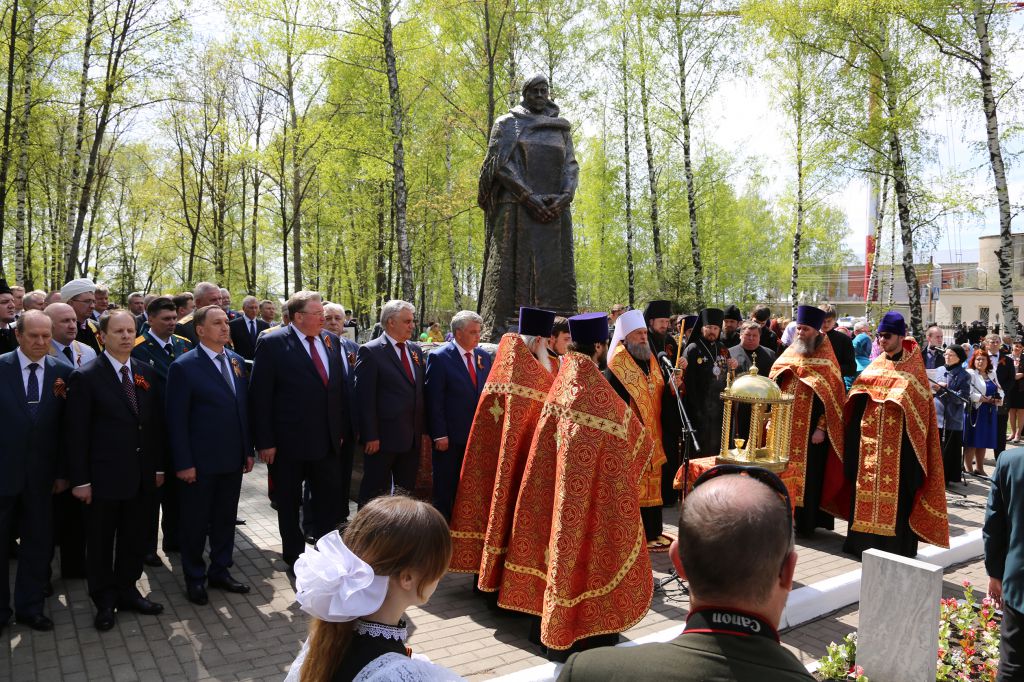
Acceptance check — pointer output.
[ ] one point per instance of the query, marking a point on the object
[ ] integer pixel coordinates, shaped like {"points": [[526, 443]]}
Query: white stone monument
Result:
{"points": [[898, 635]]}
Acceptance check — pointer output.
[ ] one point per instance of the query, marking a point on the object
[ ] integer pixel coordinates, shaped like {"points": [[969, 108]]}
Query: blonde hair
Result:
{"points": [[393, 535]]}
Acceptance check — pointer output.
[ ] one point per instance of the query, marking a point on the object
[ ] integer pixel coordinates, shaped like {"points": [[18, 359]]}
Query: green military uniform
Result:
{"points": [[744, 649], [186, 328], [148, 350]]}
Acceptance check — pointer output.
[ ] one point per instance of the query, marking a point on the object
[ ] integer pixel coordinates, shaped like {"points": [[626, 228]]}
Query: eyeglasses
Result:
{"points": [[761, 474], [885, 335]]}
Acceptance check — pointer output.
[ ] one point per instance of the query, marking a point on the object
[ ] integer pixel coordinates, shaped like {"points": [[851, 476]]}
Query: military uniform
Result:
{"points": [[89, 334], [718, 644], [8, 342], [150, 352], [186, 327]]}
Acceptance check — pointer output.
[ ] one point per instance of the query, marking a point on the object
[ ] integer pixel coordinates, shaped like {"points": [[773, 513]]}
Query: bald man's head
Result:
{"points": [[65, 322], [734, 534]]}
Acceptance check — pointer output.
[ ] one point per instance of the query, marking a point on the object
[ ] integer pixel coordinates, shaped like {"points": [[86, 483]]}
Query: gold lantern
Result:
{"points": [[764, 447]]}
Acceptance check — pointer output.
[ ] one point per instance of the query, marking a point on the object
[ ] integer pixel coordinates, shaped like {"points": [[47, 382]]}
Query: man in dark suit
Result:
{"points": [[455, 378], [842, 345], [246, 328], [206, 293], [762, 314], [933, 350], [298, 409], [114, 423], [158, 347], [33, 401], [1004, 558], [389, 382], [207, 408], [334, 322]]}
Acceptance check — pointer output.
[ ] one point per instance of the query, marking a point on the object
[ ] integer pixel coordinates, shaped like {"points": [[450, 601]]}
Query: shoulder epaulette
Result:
{"points": [[182, 338], [186, 319], [92, 325], [139, 340]]}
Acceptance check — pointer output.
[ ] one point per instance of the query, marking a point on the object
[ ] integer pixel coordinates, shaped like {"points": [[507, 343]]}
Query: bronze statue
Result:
{"points": [[527, 182]]}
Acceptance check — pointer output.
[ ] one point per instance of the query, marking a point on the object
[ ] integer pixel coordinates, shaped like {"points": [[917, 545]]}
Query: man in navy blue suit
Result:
{"points": [[456, 373], [299, 412], [114, 424], [33, 400], [207, 408], [389, 382]]}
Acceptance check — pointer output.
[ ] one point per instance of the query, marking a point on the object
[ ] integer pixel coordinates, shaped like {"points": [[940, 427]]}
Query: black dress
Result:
{"points": [[369, 641]]}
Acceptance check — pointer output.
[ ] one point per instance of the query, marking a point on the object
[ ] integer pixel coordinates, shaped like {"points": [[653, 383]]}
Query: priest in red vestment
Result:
{"points": [[577, 557], [808, 369], [893, 457], [499, 442]]}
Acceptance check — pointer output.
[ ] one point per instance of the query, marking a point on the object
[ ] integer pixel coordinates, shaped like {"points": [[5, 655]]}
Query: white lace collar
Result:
{"points": [[370, 629]]}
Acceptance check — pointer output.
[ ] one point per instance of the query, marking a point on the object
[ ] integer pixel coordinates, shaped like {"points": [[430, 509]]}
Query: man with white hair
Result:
{"points": [[390, 371], [225, 304], [63, 345], [102, 294], [206, 293], [80, 294], [455, 378]]}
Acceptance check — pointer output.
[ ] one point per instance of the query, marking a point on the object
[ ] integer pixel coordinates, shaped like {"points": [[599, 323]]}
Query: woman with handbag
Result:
{"points": [[981, 420]]}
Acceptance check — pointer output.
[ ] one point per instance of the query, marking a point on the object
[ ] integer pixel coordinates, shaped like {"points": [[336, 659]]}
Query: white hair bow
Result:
{"points": [[334, 584]]}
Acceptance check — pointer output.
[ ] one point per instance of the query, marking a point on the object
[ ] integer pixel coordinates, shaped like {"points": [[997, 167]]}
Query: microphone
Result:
{"points": [[663, 359]]}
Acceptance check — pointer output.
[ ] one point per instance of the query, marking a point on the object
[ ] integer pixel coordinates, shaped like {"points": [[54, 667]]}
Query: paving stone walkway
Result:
{"points": [[256, 636]]}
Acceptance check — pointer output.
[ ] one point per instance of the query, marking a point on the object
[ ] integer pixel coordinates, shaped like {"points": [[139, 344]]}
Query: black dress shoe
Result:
{"points": [[140, 605], [197, 595], [104, 620], [36, 621], [152, 560], [239, 522], [229, 584]]}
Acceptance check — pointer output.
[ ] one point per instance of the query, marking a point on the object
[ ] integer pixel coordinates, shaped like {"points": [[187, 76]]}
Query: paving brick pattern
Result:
{"points": [[256, 636]]}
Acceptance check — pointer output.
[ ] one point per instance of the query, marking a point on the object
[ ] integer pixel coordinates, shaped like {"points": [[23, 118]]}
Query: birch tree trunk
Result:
{"points": [[631, 275], [5, 152], [21, 180], [398, 153], [691, 194], [798, 111], [76, 158], [995, 153], [452, 261], [652, 177]]}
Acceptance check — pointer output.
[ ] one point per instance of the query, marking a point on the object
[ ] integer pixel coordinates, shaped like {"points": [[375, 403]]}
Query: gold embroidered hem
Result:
{"points": [[899, 398], [645, 391], [492, 470], [806, 377], [577, 555]]}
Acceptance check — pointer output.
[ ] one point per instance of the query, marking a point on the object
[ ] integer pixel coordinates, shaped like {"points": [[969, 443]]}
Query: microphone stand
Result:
{"points": [[688, 437]]}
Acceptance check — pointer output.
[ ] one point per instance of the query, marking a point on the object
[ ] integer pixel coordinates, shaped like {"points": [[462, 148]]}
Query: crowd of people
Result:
{"points": [[549, 463]]}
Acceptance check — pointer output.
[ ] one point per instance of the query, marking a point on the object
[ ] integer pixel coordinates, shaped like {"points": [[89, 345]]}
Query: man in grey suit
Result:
{"points": [[749, 353], [63, 346], [389, 384]]}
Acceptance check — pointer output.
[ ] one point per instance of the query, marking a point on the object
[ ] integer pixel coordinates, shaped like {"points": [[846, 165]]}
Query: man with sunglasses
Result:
{"points": [[892, 455], [740, 575], [809, 370]]}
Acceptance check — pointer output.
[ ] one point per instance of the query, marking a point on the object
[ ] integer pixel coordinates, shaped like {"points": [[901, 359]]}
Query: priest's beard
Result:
{"points": [[807, 348], [641, 352], [542, 357]]}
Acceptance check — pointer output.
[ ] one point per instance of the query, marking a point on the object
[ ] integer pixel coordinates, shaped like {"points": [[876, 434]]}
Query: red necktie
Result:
{"points": [[317, 362], [472, 370], [405, 362]]}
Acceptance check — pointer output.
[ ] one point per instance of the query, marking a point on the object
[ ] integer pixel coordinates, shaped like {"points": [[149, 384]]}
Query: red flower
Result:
{"points": [[141, 382]]}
